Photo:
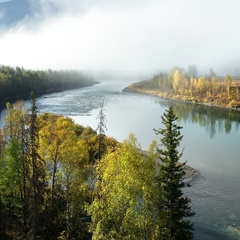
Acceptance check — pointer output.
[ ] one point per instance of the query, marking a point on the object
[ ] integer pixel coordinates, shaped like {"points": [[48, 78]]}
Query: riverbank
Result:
{"points": [[18, 83], [39, 93], [190, 173], [177, 98]]}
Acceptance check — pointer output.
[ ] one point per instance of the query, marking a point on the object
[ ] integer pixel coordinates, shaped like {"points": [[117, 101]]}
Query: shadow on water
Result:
{"points": [[211, 118]]}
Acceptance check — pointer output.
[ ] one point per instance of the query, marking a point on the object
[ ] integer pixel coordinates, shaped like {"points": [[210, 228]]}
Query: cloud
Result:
{"points": [[131, 36]]}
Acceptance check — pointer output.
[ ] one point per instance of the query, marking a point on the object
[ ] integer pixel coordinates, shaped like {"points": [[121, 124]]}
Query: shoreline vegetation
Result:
{"points": [[17, 83], [190, 173], [187, 86], [66, 158]]}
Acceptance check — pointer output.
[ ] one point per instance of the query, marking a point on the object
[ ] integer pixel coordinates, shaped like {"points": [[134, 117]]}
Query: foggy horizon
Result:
{"points": [[130, 37]]}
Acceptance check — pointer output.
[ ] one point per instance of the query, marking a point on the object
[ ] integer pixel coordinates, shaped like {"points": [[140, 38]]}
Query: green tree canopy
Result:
{"points": [[125, 191]]}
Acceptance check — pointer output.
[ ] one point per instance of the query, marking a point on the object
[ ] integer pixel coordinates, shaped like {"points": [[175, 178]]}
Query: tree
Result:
{"points": [[16, 160], [66, 156], [37, 178], [124, 206], [237, 91], [192, 71], [52, 130], [11, 188], [73, 174], [176, 80], [2, 143], [227, 83], [101, 130], [201, 86], [211, 79], [175, 206]]}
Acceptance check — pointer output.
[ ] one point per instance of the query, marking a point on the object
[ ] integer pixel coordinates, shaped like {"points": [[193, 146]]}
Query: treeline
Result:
{"points": [[188, 86], [17, 83], [45, 175], [60, 180]]}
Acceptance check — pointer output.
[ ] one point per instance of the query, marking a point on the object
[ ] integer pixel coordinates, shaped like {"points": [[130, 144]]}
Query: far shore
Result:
{"points": [[158, 94], [38, 93]]}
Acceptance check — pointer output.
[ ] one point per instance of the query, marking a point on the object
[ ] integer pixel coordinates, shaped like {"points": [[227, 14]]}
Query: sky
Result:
{"points": [[135, 36]]}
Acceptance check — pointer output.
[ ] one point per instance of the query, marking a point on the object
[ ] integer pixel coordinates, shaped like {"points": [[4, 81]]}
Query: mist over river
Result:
{"points": [[210, 142]]}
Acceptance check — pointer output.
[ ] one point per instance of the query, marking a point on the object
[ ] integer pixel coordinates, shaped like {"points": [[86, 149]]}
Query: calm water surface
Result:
{"points": [[211, 145]]}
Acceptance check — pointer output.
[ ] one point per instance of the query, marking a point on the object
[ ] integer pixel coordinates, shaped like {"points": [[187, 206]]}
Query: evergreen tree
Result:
{"points": [[37, 178], [175, 207], [101, 131]]}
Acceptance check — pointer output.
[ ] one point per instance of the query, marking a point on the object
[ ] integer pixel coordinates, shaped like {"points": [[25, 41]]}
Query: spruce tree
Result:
{"points": [[101, 131], [175, 207], [37, 178]]}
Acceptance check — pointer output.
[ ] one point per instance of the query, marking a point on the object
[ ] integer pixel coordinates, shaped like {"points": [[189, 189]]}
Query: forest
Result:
{"points": [[60, 180], [17, 83], [188, 86]]}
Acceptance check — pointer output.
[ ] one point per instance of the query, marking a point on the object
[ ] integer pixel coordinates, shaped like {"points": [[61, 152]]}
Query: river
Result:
{"points": [[210, 143]]}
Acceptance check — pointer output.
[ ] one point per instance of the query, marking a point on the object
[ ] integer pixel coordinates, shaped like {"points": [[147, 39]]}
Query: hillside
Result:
{"points": [[14, 11], [17, 83]]}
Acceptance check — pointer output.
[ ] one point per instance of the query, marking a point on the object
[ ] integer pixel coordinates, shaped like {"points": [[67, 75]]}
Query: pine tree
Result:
{"points": [[175, 207]]}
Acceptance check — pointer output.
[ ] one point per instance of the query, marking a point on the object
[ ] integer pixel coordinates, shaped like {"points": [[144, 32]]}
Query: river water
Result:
{"points": [[210, 143]]}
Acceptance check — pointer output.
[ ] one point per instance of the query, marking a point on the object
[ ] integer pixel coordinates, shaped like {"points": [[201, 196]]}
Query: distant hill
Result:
{"points": [[14, 11]]}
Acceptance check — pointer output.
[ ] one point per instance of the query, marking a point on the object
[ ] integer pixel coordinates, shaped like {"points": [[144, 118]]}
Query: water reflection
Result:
{"points": [[211, 118]]}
